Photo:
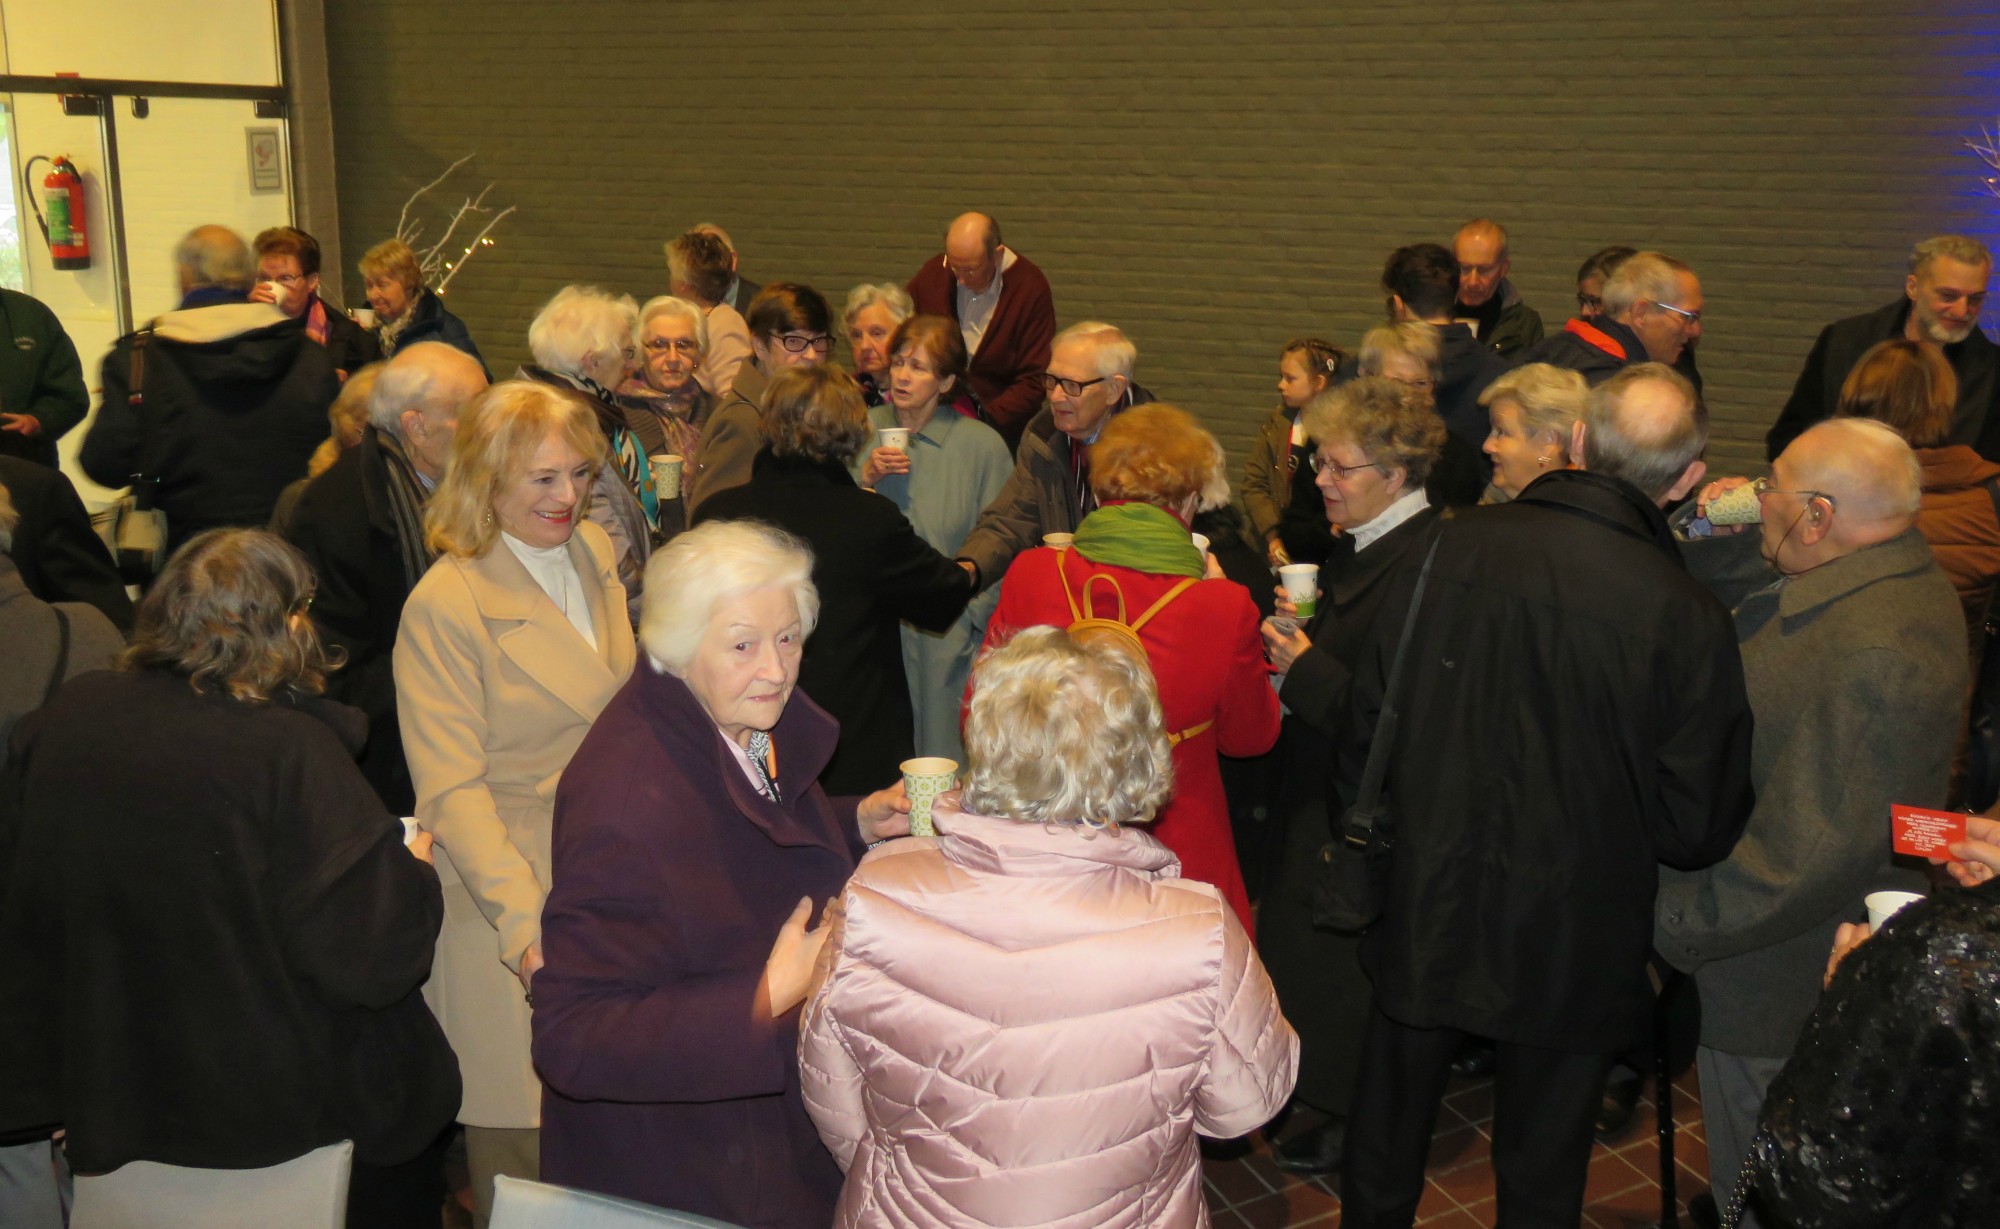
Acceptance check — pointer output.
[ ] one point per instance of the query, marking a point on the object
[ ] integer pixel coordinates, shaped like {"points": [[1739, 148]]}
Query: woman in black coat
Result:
{"points": [[215, 934], [872, 570], [1376, 442]]}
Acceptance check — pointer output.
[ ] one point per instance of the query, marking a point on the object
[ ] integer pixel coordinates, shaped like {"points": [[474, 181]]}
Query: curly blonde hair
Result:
{"points": [[1063, 729], [1391, 423], [499, 432]]}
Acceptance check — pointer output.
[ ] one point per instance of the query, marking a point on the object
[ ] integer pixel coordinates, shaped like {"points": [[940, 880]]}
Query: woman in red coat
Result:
{"points": [[1151, 468]]}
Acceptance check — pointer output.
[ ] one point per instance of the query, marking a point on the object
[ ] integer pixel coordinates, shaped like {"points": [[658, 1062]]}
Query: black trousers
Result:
{"points": [[1545, 1102], [406, 1196]]}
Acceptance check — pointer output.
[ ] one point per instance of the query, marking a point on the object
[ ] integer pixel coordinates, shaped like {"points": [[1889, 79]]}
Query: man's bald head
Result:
{"points": [[972, 250], [214, 256], [1868, 471], [1480, 247], [417, 398], [1647, 426]]}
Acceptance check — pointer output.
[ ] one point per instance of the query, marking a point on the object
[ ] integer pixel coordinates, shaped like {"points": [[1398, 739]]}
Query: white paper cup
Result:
{"points": [[666, 475], [1736, 507], [1058, 540], [364, 316], [411, 826], [925, 778], [1301, 581], [1201, 542], [897, 438], [1883, 905]]}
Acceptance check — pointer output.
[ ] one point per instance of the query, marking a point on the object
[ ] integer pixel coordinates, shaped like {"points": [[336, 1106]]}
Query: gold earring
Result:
{"points": [[489, 517], [1544, 461]]}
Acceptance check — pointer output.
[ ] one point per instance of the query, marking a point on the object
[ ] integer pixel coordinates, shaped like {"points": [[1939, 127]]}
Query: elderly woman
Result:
{"points": [[871, 317], [1412, 354], [665, 405], [509, 647], [872, 569], [215, 934], [406, 310], [953, 467], [1535, 409], [790, 326], [692, 840], [1152, 468], [1376, 440], [582, 340], [1028, 1019]]}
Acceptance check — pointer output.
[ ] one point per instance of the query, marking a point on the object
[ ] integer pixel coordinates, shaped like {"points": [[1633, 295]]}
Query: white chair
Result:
{"points": [[308, 1192], [520, 1204]]}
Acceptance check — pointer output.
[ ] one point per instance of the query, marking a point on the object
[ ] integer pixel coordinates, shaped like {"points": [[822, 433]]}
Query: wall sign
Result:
{"points": [[267, 168]]}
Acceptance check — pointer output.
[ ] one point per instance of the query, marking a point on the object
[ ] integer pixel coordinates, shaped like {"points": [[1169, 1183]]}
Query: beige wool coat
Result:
{"points": [[494, 690]]}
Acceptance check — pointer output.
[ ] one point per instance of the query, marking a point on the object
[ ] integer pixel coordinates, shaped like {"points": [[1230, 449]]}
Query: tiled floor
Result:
{"points": [[1624, 1191]]}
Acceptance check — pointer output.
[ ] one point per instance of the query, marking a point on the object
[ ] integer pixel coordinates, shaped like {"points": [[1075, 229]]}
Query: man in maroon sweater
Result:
{"points": [[1003, 307]]}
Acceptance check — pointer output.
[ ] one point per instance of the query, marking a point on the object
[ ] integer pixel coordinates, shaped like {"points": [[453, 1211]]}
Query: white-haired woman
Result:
{"points": [[1533, 409], [582, 340], [509, 646], [870, 319], [665, 405], [693, 840], [1027, 1019]]}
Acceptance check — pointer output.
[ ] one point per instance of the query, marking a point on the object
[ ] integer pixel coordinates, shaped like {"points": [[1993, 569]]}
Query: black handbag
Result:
{"points": [[1353, 873]]}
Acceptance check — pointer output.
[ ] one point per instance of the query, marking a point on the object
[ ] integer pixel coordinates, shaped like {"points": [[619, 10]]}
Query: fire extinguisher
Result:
{"points": [[64, 229]]}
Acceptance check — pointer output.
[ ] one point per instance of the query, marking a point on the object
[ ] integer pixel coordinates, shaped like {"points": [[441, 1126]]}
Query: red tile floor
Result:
{"points": [[1248, 1192]]}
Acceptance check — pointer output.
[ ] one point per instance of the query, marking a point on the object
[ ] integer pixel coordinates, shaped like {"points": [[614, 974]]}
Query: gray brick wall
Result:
{"points": [[1213, 178]]}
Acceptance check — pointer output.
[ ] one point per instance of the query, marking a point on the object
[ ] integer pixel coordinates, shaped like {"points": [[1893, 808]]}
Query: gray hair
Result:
{"points": [[699, 571], [215, 256], [1952, 247], [9, 520], [868, 294], [1412, 337], [1648, 450], [671, 305], [1114, 352], [1645, 277], [710, 228], [1551, 399], [582, 328], [416, 379]]}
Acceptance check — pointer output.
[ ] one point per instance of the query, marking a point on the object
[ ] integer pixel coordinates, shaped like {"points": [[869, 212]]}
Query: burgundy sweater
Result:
{"points": [[1007, 371]]}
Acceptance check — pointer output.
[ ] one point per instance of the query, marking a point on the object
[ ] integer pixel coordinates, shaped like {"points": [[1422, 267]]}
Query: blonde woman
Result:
{"points": [[1534, 410], [406, 310], [509, 647]]}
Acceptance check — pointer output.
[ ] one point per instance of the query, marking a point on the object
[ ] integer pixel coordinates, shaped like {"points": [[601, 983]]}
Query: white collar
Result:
{"points": [[1388, 518]]}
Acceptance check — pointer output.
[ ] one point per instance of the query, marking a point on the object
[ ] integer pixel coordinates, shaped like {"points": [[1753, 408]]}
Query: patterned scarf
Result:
{"points": [[760, 759], [406, 504]]}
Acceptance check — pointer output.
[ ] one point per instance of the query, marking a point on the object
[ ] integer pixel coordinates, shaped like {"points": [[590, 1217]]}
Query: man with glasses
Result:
{"points": [[288, 276], [790, 326], [1854, 651], [1651, 312], [1005, 312], [1089, 378], [1943, 297], [1487, 303]]}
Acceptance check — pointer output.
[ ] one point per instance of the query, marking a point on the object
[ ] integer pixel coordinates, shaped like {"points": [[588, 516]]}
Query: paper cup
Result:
{"points": [[666, 475], [1883, 905], [925, 778], [1201, 543], [1301, 581], [897, 438], [1058, 540], [1738, 507], [411, 826], [364, 316]]}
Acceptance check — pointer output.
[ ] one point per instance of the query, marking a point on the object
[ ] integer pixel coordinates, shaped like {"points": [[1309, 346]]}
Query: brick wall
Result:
{"points": [[1213, 178]]}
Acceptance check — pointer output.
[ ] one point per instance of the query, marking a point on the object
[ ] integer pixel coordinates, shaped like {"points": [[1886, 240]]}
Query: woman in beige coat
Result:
{"points": [[509, 647], [1027, 1019]]}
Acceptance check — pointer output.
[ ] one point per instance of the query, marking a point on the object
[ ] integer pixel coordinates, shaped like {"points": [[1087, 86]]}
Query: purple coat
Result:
{"points": [[671, 878]]}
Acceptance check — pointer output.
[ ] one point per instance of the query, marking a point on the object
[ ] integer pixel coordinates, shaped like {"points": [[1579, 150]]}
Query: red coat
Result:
{"points": [[1209, 662], [1013, 352]]}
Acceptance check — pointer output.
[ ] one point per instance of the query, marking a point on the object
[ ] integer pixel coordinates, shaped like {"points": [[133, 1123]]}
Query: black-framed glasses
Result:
{"points": [[1589, 303], [1682, 312], [1070, 388], [799, 343], [1320, 465], [1763, 487]]}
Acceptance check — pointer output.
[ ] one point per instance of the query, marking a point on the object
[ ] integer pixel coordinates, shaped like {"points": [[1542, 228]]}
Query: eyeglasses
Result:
{"points": [[1763, 487], [1682, 312], [1070, 388], [684, 345], [303, 605], [1589, 303], [287, 280], [1320, 465], [799, 343]]}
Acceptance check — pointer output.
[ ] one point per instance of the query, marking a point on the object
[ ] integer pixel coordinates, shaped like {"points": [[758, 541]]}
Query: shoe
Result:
{"points": [[1475, 1058], [1703, 1212], [1621, 1100], [1317, 1151]]}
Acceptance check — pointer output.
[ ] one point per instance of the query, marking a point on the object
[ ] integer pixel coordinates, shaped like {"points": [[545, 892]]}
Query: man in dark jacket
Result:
{"points": [[360, 524], [1942, 299], [220, 403], [1486, 301], [1652, 313], [1573, 714], [1422, 282], [41, 382], [1003, 306], [60, 557], [288, 278]]}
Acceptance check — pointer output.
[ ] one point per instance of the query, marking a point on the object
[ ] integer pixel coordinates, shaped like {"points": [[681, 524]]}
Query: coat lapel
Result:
{"points": [[538, 637]]}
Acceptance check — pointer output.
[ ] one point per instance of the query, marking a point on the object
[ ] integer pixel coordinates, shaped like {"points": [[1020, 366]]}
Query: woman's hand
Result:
{"points": [[1276, 554], [884, 814], [420, 846], [789, 971], [1850, 936], [1283, 650], [1212, 567], [1714, 491], [883, 462], [1976, 859], [531, 964]]}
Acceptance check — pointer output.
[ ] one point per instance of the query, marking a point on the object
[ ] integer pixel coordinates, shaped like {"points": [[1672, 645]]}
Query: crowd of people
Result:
{"points": [[641, 639]]}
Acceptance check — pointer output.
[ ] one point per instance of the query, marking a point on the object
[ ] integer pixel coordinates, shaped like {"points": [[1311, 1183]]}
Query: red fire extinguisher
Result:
{"points": [[65, 229]]}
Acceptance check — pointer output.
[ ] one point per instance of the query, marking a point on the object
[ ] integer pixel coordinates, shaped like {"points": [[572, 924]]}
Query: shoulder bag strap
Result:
{"points": [[1361, 817], [135, 396], [1062, 577], [1168, 596], [62, 653]]}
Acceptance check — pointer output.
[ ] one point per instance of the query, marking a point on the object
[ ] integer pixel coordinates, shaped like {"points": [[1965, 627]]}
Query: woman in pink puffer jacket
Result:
{"points": [[1028, 1018]]}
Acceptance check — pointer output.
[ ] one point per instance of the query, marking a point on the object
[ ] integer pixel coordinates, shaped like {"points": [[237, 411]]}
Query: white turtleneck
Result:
{"points": [[555, 572], [1388, 518]]}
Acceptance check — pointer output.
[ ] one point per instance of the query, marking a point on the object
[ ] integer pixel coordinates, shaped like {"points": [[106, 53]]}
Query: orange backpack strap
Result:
{"points": [[1175, 740], [1088, 612], [1154, 609]]}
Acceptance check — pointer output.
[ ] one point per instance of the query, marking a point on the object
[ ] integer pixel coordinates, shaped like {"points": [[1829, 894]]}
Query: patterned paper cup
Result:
{"points": [[925, 778], [1058, 541], [666, 475], [1736, 507]]}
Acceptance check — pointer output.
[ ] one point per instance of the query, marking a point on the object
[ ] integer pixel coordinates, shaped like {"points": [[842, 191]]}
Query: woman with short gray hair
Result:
{"points": [[872, 314], [664, 402]]}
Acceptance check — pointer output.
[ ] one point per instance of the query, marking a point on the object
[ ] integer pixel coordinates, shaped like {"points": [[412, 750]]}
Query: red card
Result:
{"points": [[1925, 833]]}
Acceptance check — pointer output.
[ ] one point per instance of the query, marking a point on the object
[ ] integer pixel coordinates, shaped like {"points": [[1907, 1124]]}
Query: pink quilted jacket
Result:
{"points": [[1027, 1025]]}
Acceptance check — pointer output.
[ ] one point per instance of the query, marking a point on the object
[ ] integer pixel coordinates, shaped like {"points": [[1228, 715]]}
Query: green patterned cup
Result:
{"points": [[925, 778]]}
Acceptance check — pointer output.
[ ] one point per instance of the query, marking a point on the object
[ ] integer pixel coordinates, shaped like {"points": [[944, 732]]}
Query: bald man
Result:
{"points": [[1855, 660], [1488, 304], [1004, 311]]}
